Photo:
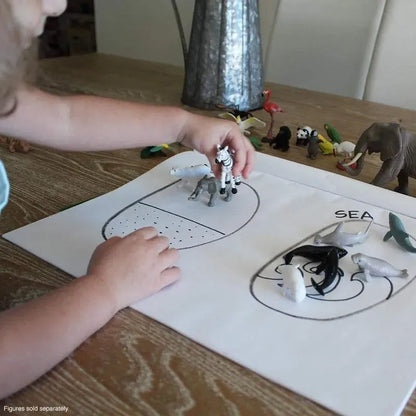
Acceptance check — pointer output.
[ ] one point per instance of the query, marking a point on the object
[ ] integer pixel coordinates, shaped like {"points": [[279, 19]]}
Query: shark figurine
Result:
{"points": [[341, 238], [398, 232]]}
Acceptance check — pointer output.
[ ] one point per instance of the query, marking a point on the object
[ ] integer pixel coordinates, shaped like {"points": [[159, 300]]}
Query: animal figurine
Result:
{"points": [[325, 146], [314, 253], [191, 171], [158, 150], [397, 148], [340, 238], [332, 133], [244, 124], [211, 185], [398, 232], [331, 271], [293, 285], [234, 112], [302, 135], [328, 257], [344, 149], [14, 145], [372, 266], [271, 108], [225, 158], [281, 141], [313, 145], [256, 143]]}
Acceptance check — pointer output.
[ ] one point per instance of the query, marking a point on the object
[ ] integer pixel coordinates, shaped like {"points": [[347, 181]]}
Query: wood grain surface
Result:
{"points": [[134, 365]]}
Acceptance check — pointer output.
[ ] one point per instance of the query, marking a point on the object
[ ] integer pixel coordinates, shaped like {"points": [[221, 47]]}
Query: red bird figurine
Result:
{"points": [[271, 108]]}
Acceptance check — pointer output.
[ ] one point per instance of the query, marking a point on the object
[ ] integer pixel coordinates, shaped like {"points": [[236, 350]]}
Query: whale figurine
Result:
{"points": [[328, 257], [331, 271], [314, 253], [341, 238], [372, 266], [398, 232]]}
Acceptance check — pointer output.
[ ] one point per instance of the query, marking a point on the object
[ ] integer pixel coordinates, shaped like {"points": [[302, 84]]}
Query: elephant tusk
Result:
{"points": [[356, 157]]}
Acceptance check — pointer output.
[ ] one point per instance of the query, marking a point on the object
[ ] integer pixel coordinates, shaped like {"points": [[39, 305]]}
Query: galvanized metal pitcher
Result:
{"points": [[223, 66]]}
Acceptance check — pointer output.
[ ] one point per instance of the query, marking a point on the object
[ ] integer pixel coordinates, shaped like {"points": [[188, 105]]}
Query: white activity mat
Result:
{"points": [[352, 350]]}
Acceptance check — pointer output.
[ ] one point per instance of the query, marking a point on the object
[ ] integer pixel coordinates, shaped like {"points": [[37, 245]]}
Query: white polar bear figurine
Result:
{"points": [[293, 286]]}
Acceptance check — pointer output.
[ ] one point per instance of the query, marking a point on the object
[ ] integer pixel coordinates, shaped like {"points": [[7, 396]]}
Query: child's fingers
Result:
{"points": [[146, 232], [159, 243], [169, 276], [168, 257], [249, 164]]}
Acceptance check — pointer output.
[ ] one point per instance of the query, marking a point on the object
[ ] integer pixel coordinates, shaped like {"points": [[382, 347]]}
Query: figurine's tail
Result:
{"points": [[317, 287], [388, 235]]}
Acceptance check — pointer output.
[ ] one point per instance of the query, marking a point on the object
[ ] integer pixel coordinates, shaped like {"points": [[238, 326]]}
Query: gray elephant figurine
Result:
{"points": [[397, 148]]}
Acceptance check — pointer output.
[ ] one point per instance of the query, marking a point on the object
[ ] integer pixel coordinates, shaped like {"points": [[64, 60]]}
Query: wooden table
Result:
{"points": [[134, 365]]}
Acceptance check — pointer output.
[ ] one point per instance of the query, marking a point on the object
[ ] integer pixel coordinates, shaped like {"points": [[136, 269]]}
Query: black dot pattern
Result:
{"points": [[181, 232]]}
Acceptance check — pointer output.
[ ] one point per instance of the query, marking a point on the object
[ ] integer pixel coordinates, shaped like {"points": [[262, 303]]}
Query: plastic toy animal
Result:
{"points": [[372, 266], [244, 124], [325, 146], [225, 158], [340, 238], [313, 145], [314, 253], [302, 135], [397, 148], [332, 133], [281, 141], [15, 145], [331, 271], [271, 108], [293, 285], [234, 112], [328, 257], [191, 171], [211, 185], [398, 232], [344, 149]]}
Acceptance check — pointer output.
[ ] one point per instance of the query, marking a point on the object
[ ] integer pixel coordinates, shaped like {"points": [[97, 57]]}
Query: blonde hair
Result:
{"points": [[15, 60]]}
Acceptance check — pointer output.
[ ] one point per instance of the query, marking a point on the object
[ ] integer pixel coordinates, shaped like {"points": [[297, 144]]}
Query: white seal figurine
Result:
{"points": [[293, 286], [372, 266]]}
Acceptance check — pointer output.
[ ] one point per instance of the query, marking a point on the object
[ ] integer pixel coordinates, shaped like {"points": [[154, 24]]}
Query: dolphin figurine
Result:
{"points": [[398, 232]]}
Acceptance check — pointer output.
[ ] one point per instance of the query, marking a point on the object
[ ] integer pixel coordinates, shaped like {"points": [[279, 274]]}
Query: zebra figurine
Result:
{"points": [[225, 158]]}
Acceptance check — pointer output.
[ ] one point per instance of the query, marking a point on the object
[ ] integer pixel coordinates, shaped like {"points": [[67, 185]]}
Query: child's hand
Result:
{"points": [[135, 266], [205, 133]]}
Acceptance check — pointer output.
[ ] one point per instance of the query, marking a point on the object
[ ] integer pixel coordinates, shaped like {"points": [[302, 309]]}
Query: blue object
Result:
{"points": [[4, 187]]}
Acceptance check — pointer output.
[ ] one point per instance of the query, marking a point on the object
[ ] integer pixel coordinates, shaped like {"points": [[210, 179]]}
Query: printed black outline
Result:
{"points": [[353, 278], [138, 201]]}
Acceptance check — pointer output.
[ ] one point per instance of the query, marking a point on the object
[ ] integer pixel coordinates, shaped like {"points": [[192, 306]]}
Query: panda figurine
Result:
{"points": [[302, 135]]}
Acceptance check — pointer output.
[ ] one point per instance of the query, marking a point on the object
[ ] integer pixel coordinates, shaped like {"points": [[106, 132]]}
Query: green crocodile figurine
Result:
{"points": [[398, 232]]}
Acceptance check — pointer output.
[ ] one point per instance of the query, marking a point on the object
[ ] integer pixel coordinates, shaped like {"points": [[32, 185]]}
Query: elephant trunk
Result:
{"points": [[359, 157]]}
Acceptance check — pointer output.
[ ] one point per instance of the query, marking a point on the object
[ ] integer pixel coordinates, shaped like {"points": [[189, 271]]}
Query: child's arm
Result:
{"points": [[36, 336], [96, 123]]}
